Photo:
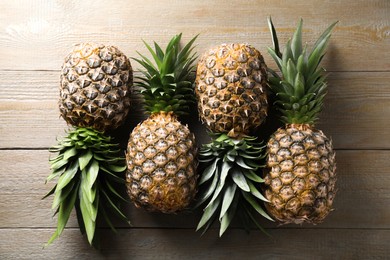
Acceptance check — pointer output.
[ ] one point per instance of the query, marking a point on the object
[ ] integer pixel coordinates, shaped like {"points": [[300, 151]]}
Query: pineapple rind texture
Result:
{"points": [[95, 87], [161, 160], [231, 88], [300, 175]]}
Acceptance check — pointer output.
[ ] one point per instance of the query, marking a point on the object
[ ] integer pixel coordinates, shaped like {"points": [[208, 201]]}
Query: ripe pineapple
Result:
{"points": [[94, 97], [95, 86], [300, 172], [231, 88], [161, 153]]}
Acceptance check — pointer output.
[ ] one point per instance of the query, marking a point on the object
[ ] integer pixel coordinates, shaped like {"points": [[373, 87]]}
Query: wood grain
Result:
{"points": [[362, 176], [185, 244], [353, 117], [36, 35]]}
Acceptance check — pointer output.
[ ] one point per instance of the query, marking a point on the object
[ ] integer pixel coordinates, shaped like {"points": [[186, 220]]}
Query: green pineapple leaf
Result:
{"points": [[240, 179], [209, 212], [255, 205], [296, 42], [223, 181], [166, 84], [227, 217], [225, 168], [228, 198], [275, 40], [88, 160], [301, 86]]}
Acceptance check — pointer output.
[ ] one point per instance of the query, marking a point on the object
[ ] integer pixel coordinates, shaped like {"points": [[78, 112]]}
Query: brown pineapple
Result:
{"points": [[231, 89], [301, 176], [95, 87]]}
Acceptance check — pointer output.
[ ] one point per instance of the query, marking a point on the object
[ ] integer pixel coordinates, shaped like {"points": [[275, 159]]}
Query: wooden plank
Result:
{"points": [[185, 244], [353, 115], [356, 110], [38, 34], [362, 200]]}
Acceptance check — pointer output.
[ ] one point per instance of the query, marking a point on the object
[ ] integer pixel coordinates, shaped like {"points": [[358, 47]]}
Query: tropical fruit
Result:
{"points": [[161, 153], [95, 86], [300, 174], [94, 98], [232, 94], [231, 88]]}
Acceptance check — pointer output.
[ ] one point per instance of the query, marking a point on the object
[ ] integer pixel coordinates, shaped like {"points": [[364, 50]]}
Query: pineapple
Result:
{"points": [[94, 97], [95, 87], [231, 89], [161, 152], [300, 173]]}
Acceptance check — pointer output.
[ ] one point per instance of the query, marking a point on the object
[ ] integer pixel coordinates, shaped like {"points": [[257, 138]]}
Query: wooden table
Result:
{"points": [[35, 37]]}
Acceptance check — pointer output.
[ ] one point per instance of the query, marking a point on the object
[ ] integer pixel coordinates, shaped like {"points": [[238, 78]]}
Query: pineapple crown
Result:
{"points": [[229, 182], [166, 84], [301, 88], [88, 166]]}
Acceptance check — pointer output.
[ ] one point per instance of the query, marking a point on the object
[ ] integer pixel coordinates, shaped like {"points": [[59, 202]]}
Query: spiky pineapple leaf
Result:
{"points": [[230, 177], [63, 215], [93, 170], [296, 42], [61, 195], [157, 58], [209, 191], [209, 172], [255, 192], [300, 73], [251, 175], [225, 168], [89, 224], [240, 179], [68, 175], [114, 206], [275, 40], [88, 161], [255, 205], [227, 217], [166, 84], [209, 212], [228, 198], [84, 159]]}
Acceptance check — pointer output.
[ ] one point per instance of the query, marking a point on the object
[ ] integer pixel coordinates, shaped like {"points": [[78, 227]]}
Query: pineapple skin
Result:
{"points": [[300, 175], [161, 159], [231, 88], [95, 87]]}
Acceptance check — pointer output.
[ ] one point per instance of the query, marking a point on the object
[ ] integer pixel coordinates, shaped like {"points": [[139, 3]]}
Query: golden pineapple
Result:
{"points": [[95, 86], [300, 174], [162, 164], [161, 153], [231, 89]]}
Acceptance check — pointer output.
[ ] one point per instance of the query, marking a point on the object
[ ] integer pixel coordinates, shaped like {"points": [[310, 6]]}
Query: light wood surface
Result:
{"points": [[355, 178], [36, 35]]}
